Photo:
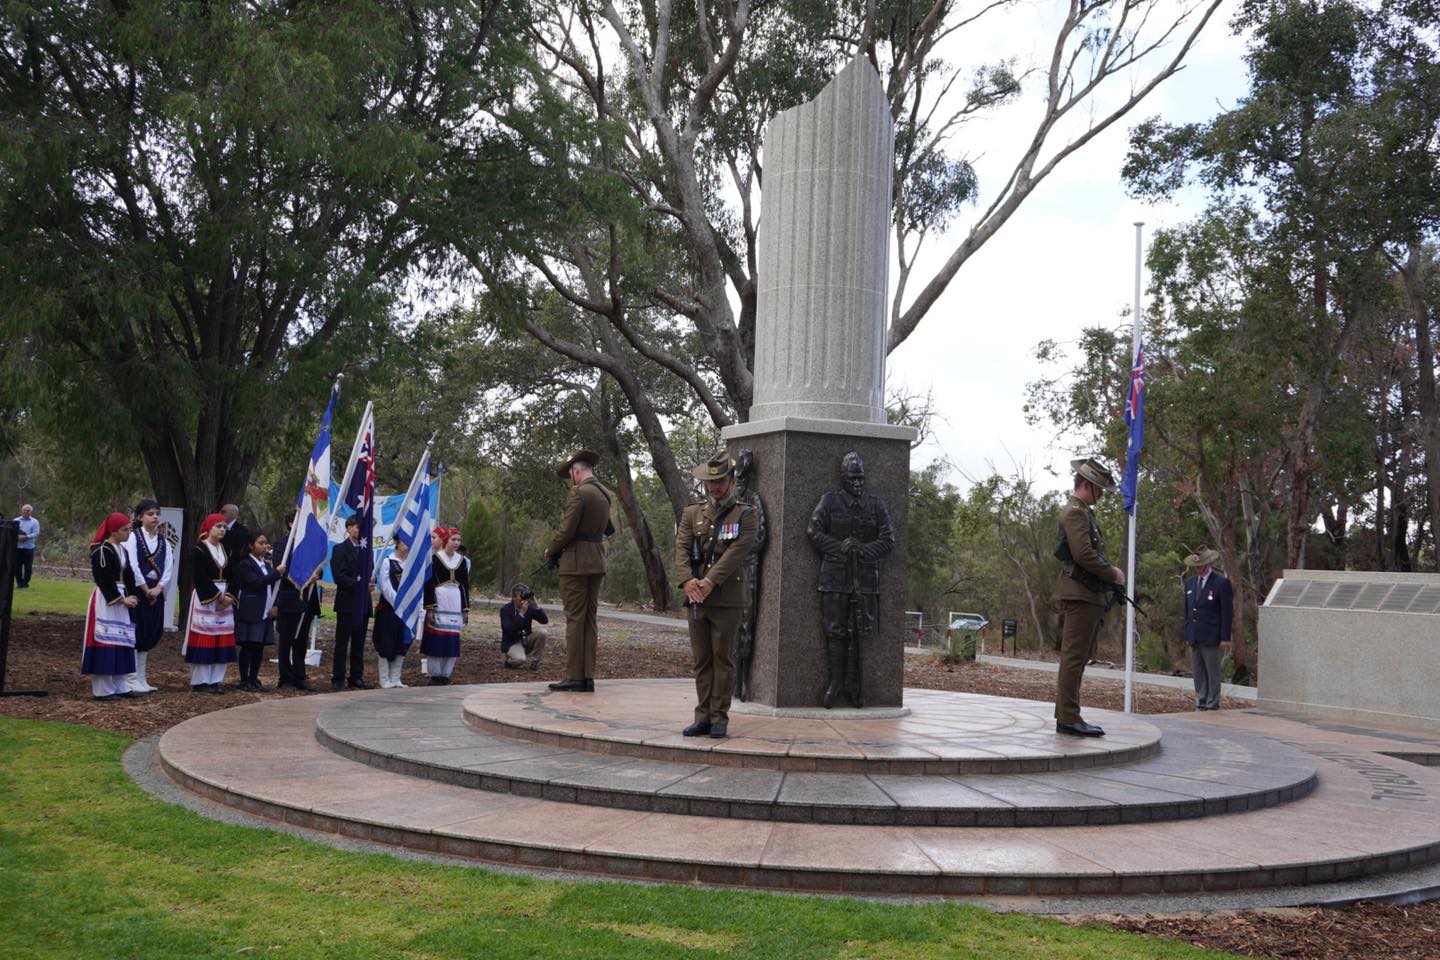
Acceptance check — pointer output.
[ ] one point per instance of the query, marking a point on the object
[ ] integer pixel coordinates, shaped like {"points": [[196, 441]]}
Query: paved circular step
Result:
{"points": [[1368, 815], [1196, 775], [944, 733]]}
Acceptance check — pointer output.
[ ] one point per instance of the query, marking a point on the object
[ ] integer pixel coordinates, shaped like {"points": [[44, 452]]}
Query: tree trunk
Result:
{"points": [[656, 568], [1428, 400]]}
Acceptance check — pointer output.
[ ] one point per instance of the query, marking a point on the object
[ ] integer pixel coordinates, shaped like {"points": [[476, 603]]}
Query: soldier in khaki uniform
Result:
{"points": [[578, 552], [711, 546], [1086, 576]]}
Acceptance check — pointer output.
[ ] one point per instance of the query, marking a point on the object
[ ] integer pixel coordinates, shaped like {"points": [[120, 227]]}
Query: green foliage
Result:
{"points": [[211, 889], [480, 533], [208, 210]]}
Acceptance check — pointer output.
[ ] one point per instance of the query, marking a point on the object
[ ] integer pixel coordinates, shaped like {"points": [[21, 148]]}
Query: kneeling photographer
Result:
{"points": [[520, 640]]}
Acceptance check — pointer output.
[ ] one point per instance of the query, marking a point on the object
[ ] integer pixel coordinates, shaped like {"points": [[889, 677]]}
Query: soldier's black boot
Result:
{"points": [[835, 660], [853, 675]]}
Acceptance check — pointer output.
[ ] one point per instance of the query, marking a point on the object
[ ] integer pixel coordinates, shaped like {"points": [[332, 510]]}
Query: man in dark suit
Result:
{"points": [[1209, 615], [237, 535], [578, 552], [352, 607]]}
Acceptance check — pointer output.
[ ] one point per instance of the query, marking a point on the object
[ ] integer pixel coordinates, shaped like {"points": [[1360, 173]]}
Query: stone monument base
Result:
{"points": [[796, 461]]}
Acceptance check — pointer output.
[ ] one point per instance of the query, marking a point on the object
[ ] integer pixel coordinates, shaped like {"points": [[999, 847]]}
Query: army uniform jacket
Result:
{"points": [[839, 517], [580, 541], [724, 564], [1087, 549]]}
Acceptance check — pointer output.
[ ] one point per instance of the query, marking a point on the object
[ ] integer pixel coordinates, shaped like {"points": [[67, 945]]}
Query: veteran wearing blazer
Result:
{"points": [[1209, 617]]}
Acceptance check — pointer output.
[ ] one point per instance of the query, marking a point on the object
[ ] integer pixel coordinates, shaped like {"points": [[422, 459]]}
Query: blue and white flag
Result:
{"points": [[309, 545], [417, 519], [1135, 420]]}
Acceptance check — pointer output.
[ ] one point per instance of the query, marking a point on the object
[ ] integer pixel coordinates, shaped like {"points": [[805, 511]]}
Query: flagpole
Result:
{"points": [[1134, 507]]}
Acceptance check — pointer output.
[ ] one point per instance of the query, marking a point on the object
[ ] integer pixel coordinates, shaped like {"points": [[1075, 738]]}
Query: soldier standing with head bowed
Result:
{"points": [[578, 552], [1086, 579], [712, 545]]}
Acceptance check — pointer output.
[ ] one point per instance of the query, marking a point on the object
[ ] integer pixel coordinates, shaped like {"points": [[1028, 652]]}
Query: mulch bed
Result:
{"points": [[45, 654]]}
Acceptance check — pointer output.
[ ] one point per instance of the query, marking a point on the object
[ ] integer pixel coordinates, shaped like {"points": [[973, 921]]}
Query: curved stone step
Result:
{"points": [[942, 733], [1196, 775], [1368, 815]]}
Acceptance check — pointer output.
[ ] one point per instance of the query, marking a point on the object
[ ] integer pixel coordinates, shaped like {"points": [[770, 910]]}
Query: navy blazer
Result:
{"points": [[251, 585], [347, 566], [1210, 613]]}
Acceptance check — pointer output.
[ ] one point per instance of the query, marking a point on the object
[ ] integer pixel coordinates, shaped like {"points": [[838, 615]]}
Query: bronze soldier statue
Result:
{"points": [[851, 529], [745, 636]]}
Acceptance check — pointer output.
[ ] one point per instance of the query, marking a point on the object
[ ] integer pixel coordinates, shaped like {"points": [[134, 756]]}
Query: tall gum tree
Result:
{"points": [[207, 209], [679, 95]]}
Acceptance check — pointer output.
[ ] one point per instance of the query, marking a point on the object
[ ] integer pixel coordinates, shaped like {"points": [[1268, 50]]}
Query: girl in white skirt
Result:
{"points": [[210, 632], [109, 656]]}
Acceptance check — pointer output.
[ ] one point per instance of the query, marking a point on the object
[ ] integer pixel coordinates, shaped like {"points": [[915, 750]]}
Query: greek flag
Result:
{"points": [[309, 546], [413, 528]]}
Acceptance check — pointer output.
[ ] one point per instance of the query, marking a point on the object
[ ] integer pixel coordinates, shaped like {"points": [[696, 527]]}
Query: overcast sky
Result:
{"points": [[1064, 261]]}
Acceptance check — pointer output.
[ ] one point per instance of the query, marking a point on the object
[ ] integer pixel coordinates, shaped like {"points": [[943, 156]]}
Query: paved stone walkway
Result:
{"points": [[1368, 814]]}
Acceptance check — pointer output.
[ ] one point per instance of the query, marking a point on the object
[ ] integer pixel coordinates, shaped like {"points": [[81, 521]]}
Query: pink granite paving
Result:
{"points": [[971, 732], [1369, 813]]}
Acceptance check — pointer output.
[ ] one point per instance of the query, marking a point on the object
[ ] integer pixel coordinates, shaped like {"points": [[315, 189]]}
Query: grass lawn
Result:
{"points": [[53, 596], [93, 867]]}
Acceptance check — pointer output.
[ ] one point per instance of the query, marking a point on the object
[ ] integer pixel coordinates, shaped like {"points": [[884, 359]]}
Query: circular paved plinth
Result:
{"points": [[945, 733], [1196, 776], [1368, 815]]}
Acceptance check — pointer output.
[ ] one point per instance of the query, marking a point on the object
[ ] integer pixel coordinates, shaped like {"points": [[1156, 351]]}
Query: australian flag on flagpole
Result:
{"points": [[413, 528], [358, 494], [309, 545], [1135, 420]]}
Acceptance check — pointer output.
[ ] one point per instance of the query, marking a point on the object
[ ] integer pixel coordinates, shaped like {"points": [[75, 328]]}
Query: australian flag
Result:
{"points": [[358, 494], [1135, 420], [309, 543]]}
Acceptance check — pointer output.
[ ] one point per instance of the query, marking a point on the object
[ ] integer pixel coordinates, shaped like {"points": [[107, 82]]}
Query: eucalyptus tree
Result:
{"points": [[1333, 153], [664, 109], [207, 210]]}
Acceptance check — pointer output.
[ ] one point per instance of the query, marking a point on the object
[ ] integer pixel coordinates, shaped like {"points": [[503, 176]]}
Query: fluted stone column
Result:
{"points": [[820, 379], [824, 261]]}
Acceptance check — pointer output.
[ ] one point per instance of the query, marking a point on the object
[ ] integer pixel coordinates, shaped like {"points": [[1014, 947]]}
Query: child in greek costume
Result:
{"points": [[109, 656]]}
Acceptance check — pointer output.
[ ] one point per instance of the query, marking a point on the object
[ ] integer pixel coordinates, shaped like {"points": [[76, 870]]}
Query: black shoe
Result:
{"points": [[109, 696], [576, 686], [337, 684], [257, 687], [718, 731], [301, 685], [199, 688], [216, 688], [1079, 729], [589, 687], [700, 728], [360, 685], [128, 695]]}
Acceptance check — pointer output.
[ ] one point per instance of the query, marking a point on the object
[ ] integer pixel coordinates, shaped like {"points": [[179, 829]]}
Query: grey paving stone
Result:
{"points": [[928, 792], [552, 768], [836, 790], [736, 784], [630, 775]]}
